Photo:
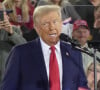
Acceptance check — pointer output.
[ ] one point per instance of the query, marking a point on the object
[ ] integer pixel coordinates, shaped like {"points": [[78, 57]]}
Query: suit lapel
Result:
{"points": [[64, 63], [67, 67], [41, 61]]}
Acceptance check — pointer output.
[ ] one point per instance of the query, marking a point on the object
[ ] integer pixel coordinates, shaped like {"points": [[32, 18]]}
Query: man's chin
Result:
{"points": [[54, 42]]}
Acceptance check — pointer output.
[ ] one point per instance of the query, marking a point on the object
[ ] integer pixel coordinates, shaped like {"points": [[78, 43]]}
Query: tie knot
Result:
{"points": [[52, 48]]}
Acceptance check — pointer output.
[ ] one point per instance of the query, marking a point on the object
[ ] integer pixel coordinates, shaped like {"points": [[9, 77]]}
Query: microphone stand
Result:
{"points": [[96, 46], [95, 70], [94, 58], [91, 44], [87, 52]]}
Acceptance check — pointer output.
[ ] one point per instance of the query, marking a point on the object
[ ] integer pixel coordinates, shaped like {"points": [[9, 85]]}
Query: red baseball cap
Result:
{"points": [[79, 23]]}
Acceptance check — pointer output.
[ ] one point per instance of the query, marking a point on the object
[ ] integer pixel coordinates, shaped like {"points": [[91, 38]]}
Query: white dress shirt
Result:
{"points": [[46, 53]]}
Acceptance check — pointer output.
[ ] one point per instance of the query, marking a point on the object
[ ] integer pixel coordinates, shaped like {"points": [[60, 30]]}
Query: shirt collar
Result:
{"points": [[85, 46], [47, 47]]}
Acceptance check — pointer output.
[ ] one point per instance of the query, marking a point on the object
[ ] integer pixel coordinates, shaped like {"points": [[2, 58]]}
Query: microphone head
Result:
{"points": [[65, 37]]}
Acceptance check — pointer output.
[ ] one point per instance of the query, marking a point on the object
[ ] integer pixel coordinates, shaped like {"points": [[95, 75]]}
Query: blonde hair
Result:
{"points": [[10, 4], [43, 10], [89, 66]]}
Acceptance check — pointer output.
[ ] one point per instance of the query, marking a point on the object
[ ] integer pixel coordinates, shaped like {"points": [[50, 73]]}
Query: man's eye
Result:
{"points": [[55, 21], [45, 24]]}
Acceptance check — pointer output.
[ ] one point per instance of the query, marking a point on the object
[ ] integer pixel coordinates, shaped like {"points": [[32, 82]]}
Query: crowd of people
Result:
{"points": [[29, 29], [9, 36]]}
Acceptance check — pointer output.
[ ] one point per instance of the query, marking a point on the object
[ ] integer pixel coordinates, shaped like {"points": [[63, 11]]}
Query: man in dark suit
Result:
{"points": [[29, 66]]}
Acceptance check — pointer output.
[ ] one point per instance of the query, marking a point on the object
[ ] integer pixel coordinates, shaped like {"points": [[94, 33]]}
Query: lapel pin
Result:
{"points": [[67, 53]]}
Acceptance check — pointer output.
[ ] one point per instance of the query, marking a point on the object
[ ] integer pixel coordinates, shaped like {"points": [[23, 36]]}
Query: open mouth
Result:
{"points": [[53, 35]]}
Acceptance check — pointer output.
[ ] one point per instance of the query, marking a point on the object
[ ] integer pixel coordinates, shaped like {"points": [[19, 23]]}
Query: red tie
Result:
{"points": [[54, 77]]}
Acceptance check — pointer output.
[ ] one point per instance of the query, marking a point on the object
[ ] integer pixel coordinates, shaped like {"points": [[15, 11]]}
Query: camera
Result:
{"points": [[1, 16]]}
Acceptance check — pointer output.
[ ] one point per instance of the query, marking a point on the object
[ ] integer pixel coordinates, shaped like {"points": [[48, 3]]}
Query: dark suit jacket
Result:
{"points": [[26, 68]]}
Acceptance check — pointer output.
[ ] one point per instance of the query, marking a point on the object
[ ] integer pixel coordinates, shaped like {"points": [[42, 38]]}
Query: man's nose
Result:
{"points": [[52, 26]]}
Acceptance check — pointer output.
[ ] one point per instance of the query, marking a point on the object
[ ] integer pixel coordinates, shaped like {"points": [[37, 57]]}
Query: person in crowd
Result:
{"points": [[96, 31], [81, 33], [85, 8], [68, 11], [9, 36], [22, 16], [90, 76], [22, 12], [45, 63]]}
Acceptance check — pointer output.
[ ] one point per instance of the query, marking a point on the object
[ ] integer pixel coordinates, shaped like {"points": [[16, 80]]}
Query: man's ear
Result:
{"points": [[36, 27]]}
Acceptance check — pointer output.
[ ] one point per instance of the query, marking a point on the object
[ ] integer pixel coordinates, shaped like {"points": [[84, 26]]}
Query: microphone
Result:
{"points": [[75, 44], [66, 38]]}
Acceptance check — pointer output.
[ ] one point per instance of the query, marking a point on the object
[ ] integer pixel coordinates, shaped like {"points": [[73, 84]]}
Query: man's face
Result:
{"points": [[81, 35], [49, 28], [97, 19]]}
